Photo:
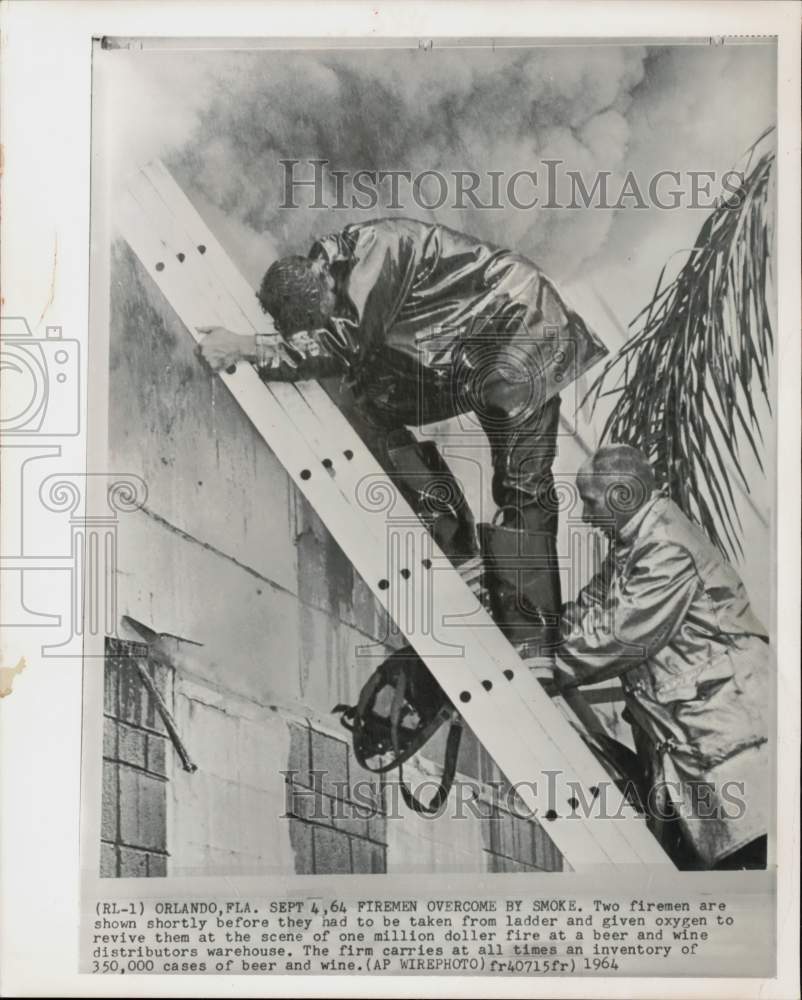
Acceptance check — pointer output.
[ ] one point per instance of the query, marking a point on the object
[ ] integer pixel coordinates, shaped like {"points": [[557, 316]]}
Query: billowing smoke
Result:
{"points": [[479, 110], [223, 120]]}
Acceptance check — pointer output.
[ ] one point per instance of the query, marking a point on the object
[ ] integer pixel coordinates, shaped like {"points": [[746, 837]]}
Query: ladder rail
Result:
{"points": [[452, 672], [525, 682]]}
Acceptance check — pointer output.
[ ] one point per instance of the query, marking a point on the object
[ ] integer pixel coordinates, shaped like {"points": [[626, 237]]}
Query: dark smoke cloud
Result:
{"points": [[475, 110]]}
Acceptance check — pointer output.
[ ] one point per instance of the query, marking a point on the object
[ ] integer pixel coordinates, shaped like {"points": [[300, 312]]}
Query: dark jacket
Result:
{"points": [[424, 313]]}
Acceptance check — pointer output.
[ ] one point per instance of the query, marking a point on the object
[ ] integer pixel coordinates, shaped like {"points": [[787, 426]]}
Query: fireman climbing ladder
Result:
{"points": [[537, 748]]}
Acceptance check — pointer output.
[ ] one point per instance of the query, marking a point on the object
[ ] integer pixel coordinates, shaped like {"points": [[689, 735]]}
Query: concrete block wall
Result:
{"points": [[135, 767], [336, 812], [514, 843]]}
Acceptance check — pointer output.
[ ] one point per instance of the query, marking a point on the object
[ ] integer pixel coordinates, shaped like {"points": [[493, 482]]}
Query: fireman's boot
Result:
{"points": [[521, 578], [435, 494]]}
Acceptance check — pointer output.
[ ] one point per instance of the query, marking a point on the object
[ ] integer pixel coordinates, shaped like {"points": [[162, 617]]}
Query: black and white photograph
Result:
{"points": [[423, 567], [479, 301]]}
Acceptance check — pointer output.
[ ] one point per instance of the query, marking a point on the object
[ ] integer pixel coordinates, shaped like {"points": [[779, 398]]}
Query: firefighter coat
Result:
{"points": [[430, 323], [672, 618]]}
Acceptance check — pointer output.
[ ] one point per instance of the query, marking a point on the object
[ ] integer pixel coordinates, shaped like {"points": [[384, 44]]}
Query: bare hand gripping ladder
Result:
{"points": [[535, 746]]}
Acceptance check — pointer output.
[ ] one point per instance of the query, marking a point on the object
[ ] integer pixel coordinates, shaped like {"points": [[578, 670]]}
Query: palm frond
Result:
{"points": [[685, 379]]}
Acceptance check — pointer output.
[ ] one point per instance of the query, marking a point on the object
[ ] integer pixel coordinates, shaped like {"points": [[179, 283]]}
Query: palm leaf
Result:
{"points": [[698, 351]]}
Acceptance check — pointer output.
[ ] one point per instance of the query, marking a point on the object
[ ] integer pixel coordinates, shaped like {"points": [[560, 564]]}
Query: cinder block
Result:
{"points": [[301, 843], [490, 771], [510, 797], [307, 804], [505, 838], [129, 805], [157, 865], [108, 816], [377, 827], [131, 745], [162, 678], [540, 847], [110, 738], [347, 819], [522, 834], [329, 765], [493, 831], [136, 706], [487, 830], [110, 687], [332, 852], [132, 694], [555, 859], [133, 863], [153, 812], [108, 860], [143, 801], [368, 859], [157, 754], [298, 759]]}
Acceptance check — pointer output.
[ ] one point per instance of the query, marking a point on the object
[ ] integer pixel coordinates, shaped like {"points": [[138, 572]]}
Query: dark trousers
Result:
{"points": [[520, 552], [523, 448], [522, 442]]}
